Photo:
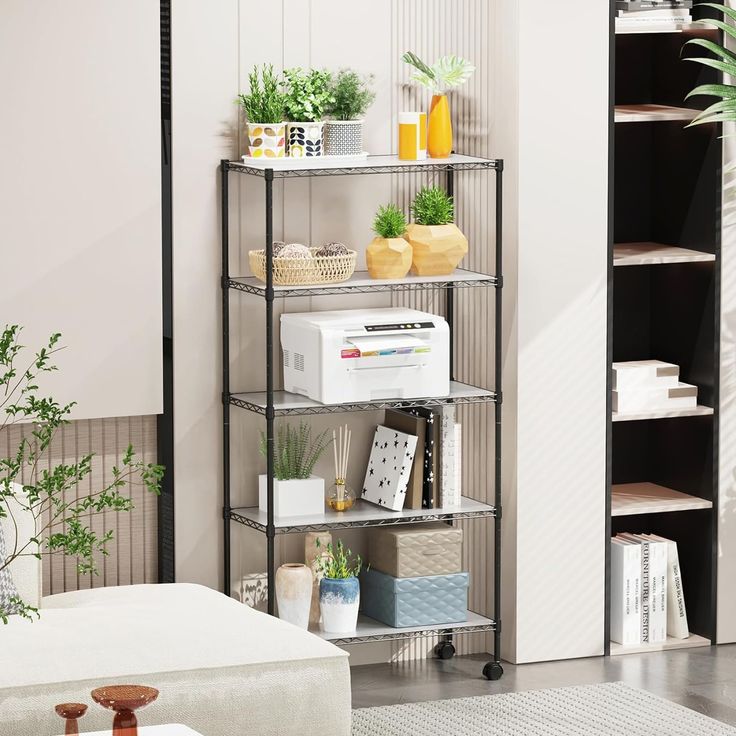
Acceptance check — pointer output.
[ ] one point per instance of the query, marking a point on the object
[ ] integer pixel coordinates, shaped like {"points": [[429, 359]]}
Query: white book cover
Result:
{"points": [[389, 468], [458, 463], [657, 589], [645, 583], [625, 584], [449, 459], [677, 626]]}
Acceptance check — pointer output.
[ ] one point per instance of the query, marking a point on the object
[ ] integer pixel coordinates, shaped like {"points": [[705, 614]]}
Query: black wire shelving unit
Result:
{"points": [[273, 403]]}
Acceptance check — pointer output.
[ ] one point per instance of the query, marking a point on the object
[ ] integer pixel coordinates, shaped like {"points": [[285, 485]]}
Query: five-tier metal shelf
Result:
{"points": [[273, 403]]}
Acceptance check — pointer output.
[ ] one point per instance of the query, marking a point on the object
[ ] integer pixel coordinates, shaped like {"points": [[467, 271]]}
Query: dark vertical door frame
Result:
{"points": [[165, 421]]}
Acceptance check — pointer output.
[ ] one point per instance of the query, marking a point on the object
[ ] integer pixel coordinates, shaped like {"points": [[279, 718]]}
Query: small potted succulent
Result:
{"points": [[306, 95], [296, 491], [351, 96], [389, 255], [339, 588], [264, 111], [437, 243]]}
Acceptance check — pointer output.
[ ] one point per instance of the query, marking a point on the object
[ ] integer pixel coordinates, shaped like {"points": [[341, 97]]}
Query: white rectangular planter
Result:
{"points": [[294, 497]]}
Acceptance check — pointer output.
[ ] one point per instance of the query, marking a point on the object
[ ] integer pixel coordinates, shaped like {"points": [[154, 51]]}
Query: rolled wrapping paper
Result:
{"points": [[412, 136]]}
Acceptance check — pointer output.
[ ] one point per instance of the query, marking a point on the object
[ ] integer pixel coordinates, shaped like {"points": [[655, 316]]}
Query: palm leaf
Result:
{"points": [[717, 49], [727, 29], [452, 71], [417, 63], [726, 91], [721, 66], [719, 6]]}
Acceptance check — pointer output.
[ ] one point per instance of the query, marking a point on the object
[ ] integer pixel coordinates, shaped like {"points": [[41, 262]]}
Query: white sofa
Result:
{"points": [[221, 667]]}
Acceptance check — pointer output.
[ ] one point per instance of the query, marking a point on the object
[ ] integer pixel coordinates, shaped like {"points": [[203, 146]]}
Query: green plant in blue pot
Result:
{"points": [[339, 589]]}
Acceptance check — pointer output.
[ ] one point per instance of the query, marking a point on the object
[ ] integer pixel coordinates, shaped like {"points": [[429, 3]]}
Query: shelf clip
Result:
{"points": [[225, 513], [499, 282], [270, 412], [499, 397], [225, 398]]}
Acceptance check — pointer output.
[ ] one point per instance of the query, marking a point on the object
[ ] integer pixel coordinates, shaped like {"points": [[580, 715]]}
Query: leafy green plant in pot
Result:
{"points": [[263, 106], [47, 507], [437, 243], [389, 255], [339, 588], [306, 97], [351, 96], [296, 490]]}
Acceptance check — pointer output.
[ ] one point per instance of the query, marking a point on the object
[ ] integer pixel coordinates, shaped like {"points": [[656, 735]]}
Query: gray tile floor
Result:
{"points": [[702, 679]]}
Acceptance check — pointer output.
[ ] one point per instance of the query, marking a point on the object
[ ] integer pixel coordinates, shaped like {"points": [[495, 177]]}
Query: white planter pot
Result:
{"points": [[344, 137], [294, 497], [294, 593], [339, 601], [267, 140], [305, 140]]}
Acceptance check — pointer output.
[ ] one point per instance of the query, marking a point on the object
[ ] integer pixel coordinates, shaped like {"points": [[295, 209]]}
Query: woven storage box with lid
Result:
{"points": [[410, 552], [401, 602]]}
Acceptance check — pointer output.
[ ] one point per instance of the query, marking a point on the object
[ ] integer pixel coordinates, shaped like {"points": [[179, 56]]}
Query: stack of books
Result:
{"points": [[647, 599], [660, 15], [650, 385]]}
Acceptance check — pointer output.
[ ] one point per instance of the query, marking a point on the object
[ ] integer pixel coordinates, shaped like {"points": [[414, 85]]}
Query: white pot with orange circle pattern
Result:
{"points": [[267, 140]]}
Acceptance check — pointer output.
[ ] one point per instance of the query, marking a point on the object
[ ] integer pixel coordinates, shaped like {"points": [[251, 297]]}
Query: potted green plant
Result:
{"points": [[47, 507], [446, 73], [306, 95], [388, 255], [296, 491], [339, 588], [437, 243], [264, 110], [351, 95]]}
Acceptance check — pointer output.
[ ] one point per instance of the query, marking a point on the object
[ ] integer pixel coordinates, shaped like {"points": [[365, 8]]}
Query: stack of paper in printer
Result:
{"points": [[650, 385], [654, 14]]}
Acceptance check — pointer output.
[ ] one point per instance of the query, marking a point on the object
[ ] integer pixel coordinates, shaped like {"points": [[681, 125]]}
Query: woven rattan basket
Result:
{"points": [[304, 271]]}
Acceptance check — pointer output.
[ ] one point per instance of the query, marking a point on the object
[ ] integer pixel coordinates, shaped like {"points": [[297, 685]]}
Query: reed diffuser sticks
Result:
{"points": [[342, 499]]}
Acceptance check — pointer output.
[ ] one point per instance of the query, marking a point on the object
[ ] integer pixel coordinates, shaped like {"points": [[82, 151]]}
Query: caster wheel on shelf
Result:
{"points": [[444, 650], [493, 671]]}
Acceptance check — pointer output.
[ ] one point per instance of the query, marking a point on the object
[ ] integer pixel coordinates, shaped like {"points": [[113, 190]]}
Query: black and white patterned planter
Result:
{"points": [[305, 140], [344, 137]]}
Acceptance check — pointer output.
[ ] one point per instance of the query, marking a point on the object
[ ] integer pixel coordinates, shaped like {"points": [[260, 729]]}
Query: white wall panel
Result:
{"points": [[80, 200]]}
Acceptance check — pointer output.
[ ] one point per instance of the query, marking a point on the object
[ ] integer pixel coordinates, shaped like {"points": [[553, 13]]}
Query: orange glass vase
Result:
{"points": [[439, 141]]}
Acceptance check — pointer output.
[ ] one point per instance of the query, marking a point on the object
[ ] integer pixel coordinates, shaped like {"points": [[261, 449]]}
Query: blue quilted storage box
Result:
{"points": [[401, 602]]}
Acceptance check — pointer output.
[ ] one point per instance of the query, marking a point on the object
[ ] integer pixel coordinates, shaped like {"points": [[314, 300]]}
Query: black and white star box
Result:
{"points": [[386, 478]]}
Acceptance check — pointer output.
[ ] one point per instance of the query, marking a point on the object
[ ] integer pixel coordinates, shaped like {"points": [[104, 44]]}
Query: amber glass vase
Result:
{"points": [[439, 141]]}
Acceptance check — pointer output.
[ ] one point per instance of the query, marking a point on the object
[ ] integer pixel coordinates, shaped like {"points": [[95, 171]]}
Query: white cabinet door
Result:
{"points": [[80, 195]]}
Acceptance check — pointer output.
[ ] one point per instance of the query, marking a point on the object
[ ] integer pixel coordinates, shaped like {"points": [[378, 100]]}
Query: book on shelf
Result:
{"points": [[645, 586], [677, 626], [625, 592], [652, 4], [674, 15], [658, 589]]}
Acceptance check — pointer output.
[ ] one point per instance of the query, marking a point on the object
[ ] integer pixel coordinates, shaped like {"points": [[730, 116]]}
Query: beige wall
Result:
{"points": [[80, 201], [557, 327]]}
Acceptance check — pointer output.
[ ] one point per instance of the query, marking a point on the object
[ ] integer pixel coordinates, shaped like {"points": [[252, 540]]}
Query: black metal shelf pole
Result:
{"points": [[270, 413], [450, 291], [224, 193], [493, 670]]}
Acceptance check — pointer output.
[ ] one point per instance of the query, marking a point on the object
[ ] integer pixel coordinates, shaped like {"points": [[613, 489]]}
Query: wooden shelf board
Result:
{"points": [[628, 499], [652, 113], [652, 254], [691, 642], [698, 411]]}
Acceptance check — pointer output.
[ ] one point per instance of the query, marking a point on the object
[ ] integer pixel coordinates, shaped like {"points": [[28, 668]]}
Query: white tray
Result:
{"points": [[306, 161]]}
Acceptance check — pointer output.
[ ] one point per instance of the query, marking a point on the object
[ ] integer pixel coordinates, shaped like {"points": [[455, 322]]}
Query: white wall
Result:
{"points": [[80, 200]]}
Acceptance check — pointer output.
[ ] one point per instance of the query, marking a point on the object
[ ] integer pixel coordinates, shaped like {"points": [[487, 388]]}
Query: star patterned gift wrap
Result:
{"points": [[389, 468]]}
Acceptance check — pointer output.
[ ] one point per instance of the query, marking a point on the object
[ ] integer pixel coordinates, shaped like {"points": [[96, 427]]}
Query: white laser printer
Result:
{"points": [[365, 355]]}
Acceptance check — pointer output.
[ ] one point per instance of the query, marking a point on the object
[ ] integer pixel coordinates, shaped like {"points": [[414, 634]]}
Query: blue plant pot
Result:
{"points": [[339, 600]]}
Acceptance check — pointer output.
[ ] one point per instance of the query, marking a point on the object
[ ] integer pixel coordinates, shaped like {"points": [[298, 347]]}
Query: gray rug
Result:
{"points": [[610, 709]]}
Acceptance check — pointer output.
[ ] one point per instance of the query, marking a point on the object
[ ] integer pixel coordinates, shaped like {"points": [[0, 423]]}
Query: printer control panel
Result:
{"points": [[403, 326]]}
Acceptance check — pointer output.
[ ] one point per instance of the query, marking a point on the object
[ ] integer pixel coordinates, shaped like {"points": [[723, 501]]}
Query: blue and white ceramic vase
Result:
{"points": [[339, 599]]}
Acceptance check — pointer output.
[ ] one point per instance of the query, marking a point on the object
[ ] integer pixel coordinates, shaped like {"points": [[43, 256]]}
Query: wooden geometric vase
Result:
{"points": [[437, 248], [388, 258]]}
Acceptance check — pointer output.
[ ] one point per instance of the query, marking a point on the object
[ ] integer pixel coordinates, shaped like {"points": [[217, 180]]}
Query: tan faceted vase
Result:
{"points": [[437, 248], [388, 258]]}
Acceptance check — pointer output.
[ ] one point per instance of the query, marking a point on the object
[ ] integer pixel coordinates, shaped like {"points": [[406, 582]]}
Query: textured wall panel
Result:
{"points": [[132, 553]]}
